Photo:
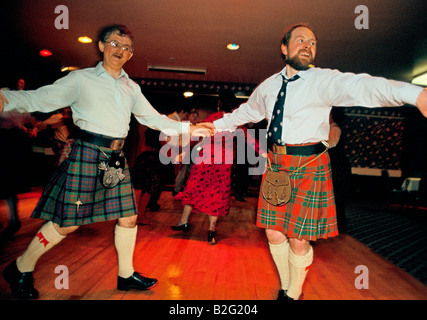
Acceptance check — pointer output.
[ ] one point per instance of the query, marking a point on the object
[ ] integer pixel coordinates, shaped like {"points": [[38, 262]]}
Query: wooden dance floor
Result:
{"points": [[239, 267]]}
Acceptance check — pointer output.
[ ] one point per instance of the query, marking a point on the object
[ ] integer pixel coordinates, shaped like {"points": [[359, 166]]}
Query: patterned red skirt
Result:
{"points": [[310, 214], [208, 189]]}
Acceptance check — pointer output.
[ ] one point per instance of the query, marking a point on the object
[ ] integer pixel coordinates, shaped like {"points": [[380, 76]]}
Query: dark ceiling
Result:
{"points": [[194, 34]]}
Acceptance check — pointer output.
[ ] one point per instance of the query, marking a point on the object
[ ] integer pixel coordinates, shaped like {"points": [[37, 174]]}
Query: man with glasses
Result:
{"points": [[81, 191]]}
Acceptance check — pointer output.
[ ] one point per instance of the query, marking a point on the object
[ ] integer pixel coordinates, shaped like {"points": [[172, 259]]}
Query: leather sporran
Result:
{"points": [[276, 187]]}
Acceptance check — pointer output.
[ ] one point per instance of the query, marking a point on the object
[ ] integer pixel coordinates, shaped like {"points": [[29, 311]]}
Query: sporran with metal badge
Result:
{"points": [[112, 170]]}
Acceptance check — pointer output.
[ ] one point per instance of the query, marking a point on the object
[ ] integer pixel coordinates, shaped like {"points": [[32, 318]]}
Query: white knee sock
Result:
{"points": [[46, 238], [298, 268], [280, 255], [124, 241]]}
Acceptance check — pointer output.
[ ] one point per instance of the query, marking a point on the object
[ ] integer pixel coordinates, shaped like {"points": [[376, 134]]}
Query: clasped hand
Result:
{"points": [[203, 129]]}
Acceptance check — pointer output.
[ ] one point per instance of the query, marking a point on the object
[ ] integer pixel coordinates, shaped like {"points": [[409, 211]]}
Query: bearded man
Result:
{"points": [[298, 129]]}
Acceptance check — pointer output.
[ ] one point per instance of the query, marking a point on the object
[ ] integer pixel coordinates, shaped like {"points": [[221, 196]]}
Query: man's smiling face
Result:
{"points": [[301, 49], [116, 56]]}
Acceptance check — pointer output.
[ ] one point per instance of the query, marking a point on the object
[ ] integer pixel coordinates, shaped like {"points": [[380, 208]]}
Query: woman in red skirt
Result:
{"points": [[208, 185]]}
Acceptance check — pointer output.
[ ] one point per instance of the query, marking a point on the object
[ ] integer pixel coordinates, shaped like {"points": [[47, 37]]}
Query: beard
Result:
{"points": [[299, 64]]}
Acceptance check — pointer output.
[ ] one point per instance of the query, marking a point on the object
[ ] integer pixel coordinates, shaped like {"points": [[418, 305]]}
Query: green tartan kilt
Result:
{"points": [[310, 214], [75, 196]]}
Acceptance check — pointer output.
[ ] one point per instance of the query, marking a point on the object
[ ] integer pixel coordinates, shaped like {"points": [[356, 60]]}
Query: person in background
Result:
{"points": [[193, 116], [184, 168], [208, 186], [16, 163], [180, 114], [340, 165], [298, 128], [93, 184], [146, 173]]}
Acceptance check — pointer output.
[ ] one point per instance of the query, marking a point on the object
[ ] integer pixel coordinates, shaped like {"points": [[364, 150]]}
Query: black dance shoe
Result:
{"points": [[135, 281], [212, 237], [183, 227], [282, 296], [21, 284]]}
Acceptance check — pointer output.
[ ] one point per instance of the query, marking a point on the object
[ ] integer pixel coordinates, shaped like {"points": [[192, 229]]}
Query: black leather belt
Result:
{"points": [[298, 150], [111, 143]]}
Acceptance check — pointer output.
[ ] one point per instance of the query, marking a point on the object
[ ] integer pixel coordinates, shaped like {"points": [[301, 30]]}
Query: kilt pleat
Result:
{"points": [[75, 196], [310, 214]]}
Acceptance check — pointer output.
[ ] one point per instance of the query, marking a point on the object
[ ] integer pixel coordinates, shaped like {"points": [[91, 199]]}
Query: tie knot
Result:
{"points": [[295, 77]]}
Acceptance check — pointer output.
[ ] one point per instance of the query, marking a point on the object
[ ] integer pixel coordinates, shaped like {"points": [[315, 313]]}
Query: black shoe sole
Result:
{"points": [[184, 228], [128, 287]]}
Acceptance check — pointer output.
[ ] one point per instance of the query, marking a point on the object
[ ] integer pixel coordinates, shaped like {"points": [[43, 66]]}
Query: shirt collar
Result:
{"points": [[99, 69], [303, 74]]}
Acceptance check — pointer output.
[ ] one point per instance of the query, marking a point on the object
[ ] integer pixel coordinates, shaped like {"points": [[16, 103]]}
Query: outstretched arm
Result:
{"points": [[422, 102]]}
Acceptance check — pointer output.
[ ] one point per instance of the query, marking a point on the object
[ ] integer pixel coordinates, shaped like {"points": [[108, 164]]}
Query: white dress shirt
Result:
{"points": [[309, 101], [99, 103]]}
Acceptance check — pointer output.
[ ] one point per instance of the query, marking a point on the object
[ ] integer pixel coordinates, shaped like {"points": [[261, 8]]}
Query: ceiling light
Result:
{"points": [[233, 46], [421, 79], [70, 68], [45, 53], [188, 94], [85, 39]]}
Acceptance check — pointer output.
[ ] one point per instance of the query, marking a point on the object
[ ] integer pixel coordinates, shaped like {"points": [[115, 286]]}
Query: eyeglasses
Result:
{"points": [[116, 45]]}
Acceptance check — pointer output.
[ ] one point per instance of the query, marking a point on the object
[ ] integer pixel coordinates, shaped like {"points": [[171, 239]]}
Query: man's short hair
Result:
{"points": [[120, 29]]}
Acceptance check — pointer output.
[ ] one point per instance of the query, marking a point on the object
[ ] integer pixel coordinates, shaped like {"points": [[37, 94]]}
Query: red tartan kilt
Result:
{"points": [[310, 213]]}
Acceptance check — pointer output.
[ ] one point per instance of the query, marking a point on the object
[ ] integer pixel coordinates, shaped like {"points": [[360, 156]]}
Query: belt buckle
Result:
{"points": [[117, 144], [280, 149]]}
